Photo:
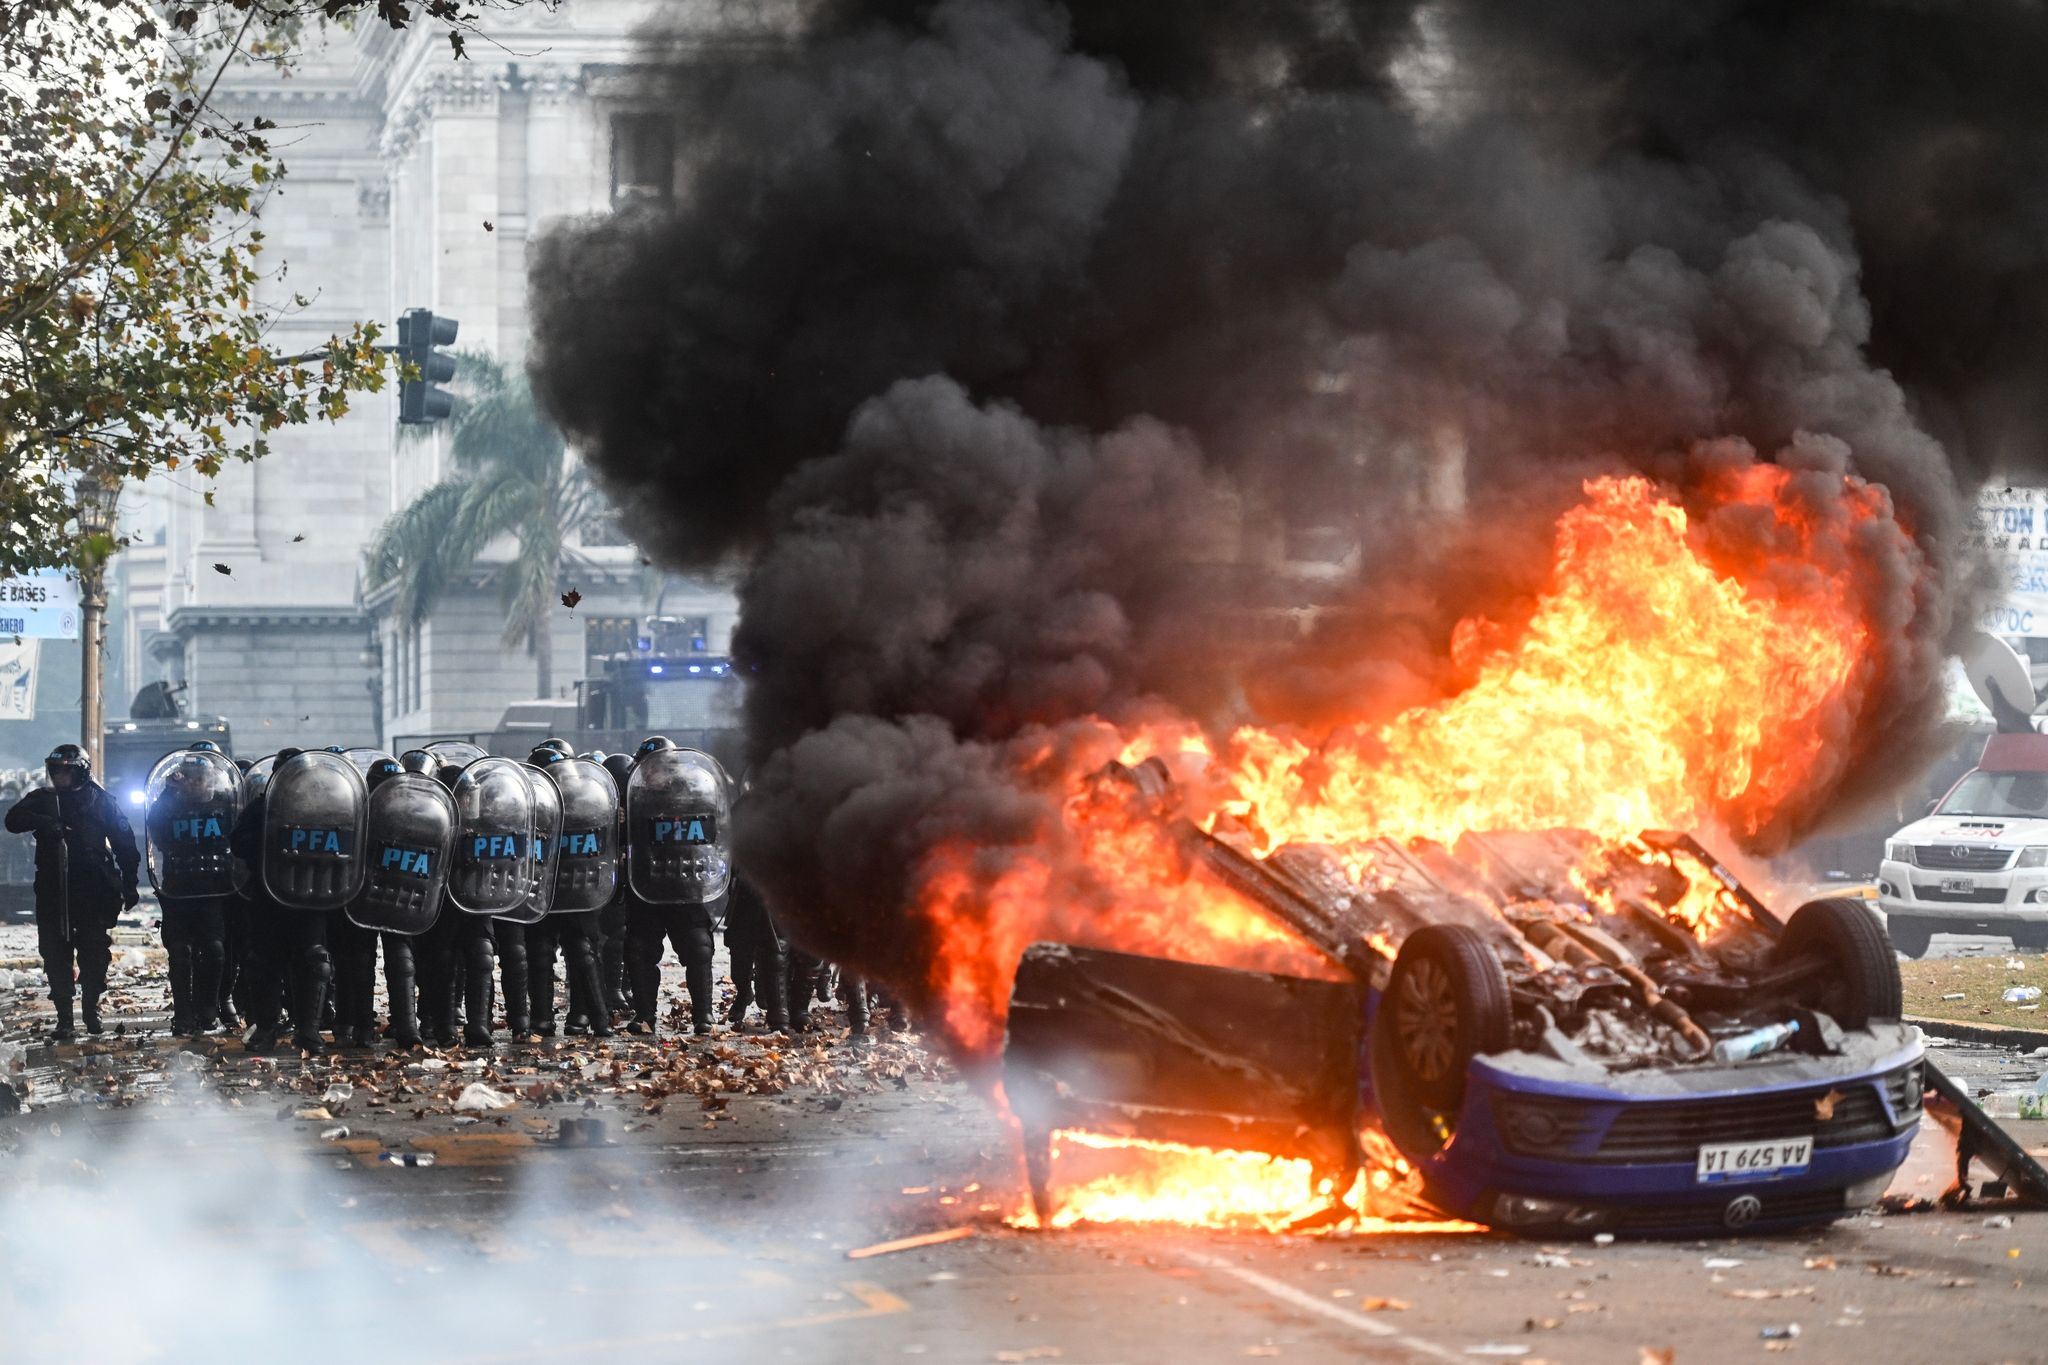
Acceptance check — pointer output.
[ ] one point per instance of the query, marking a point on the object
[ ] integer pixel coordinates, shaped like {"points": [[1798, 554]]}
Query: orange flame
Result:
{"points": [[1137, 1180], [1673, 673]]}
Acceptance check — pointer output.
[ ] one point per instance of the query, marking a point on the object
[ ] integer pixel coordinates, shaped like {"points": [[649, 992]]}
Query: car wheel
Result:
{"points": [[1861, 981], [1909, 936], [1446, 1002], [2032, 938]]}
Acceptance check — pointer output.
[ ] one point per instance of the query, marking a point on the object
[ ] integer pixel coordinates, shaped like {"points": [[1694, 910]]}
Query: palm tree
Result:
{"points": [[512, 477]]}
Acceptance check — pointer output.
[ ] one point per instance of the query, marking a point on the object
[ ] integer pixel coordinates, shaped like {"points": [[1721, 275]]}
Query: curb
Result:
{"points": [[1997, 1035]]}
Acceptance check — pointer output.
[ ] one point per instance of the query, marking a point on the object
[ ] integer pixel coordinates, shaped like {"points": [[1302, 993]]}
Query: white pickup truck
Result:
{"points": [[1978, 864]]}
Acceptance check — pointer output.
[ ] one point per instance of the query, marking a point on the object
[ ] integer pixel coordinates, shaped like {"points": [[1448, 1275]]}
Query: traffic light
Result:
{"points": [[420, 401]]}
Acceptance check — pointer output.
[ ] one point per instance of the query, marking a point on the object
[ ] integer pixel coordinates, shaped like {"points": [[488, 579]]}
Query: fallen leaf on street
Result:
{"points": [[1030, 1353], [1542, 1324], [1379, 1305], [1820, 1263], [1770, 1293], [1656, 1355]]}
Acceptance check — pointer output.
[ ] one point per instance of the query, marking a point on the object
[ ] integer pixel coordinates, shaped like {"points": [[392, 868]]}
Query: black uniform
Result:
{"points": [[457, 940], [287, 949], [760, 967], [195, 940], [85, 876], [575, 934], [689, 929]]}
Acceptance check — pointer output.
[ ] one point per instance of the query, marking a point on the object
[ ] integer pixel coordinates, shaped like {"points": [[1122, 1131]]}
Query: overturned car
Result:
{"points": [[1555, 1035]]}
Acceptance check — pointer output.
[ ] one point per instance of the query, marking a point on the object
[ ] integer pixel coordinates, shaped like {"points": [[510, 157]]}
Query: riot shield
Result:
{"points": [[410, 833], [193, 798], [313, 832], [547, 848], [678, 828], [364, 758], [257, 778], [253, 783], [588, 872], [493, 867], [456, 753]]}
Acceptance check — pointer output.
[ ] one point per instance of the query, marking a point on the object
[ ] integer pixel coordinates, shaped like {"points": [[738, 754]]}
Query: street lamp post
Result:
{"points": [[98, 496]]}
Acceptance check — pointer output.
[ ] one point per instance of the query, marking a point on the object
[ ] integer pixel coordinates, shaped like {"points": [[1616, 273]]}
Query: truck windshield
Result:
{"points": [[2010, 795]]}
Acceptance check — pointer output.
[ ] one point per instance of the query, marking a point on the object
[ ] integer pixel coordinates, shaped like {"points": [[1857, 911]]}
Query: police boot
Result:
{"points": [[540, 995], [206, 968], [359, 1010], [856, 1003], [775, 999], [476, 1023], [405, 1022], [90, 1004], [180, 956], [309, 1001], [65, 1032]]}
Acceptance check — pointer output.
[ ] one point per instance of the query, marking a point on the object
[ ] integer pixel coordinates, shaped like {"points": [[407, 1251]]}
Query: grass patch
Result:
{"points": [[1982, 982]]}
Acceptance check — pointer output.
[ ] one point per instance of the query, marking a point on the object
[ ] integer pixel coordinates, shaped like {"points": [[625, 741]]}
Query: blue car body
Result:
{"points": [[1570, 1155]]}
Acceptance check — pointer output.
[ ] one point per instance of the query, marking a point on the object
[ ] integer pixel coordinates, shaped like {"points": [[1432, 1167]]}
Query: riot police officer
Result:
{"points": [[194, 798], [760, 966], [678, 816], [85, 876], [288, 952], [610, 929], [355, 951]]}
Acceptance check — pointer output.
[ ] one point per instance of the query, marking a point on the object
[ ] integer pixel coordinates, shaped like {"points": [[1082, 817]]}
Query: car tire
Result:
{"points": [[1908, 935], [1861, 985], [2032, 938], [1446, 1003]]}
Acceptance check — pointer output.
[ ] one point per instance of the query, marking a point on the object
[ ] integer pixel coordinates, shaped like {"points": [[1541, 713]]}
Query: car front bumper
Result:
{"points": [[1562, 1157], [2013, 895]]}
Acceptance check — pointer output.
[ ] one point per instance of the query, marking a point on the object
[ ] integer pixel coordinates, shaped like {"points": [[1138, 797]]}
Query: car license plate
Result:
{"points": [[1721, 1161], [1958, 884]]}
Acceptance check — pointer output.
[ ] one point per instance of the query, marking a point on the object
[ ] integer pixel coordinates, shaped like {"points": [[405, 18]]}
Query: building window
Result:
{"points": [[680, 634], [643, 159], [604, 636], [412, 668]]}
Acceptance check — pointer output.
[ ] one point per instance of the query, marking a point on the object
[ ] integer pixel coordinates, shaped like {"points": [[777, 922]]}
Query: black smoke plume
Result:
{"points": [[1017, 353]]}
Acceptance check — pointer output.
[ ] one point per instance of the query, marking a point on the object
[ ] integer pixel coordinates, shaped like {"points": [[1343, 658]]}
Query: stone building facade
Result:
{"points": [[413, 180]]}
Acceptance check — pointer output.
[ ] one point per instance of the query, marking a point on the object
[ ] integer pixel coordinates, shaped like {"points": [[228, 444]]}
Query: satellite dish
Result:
{"points": [[1999, 677]]}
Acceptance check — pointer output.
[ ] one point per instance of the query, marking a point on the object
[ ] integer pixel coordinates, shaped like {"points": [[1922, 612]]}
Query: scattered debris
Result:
{"points": [[1789, 1332], [922, 1239], [476, 1095]]}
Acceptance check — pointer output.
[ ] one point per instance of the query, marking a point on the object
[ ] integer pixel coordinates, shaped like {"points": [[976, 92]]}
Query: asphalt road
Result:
{"points": [[145, 1216]]}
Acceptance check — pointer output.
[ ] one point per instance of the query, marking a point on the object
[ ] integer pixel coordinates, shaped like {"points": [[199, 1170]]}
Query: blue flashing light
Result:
{"points": [[654, 668]]}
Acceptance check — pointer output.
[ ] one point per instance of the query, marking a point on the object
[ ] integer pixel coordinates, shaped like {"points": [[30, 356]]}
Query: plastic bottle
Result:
{"points": [[2021, 995], [1755, 1043]]}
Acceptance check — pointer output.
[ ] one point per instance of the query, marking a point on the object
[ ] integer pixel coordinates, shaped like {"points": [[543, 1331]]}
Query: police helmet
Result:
{"points": [[68, 756], [595, 755], [382, 771], [654, 744], [559, 745], [546, 754], [284, 756], [203, 746], [418, 761], [446, 774], [243, 765], [620, 766], [335, 749]]}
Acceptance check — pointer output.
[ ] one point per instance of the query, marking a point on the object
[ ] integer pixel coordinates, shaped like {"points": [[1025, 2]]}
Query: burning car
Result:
{"points": [[1545, 1031]]}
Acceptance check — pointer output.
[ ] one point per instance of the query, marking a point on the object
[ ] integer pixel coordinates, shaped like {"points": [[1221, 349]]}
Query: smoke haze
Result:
{"points": [[1018, 352]]}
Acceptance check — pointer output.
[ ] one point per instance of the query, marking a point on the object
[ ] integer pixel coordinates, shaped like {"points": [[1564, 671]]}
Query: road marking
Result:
{"points": [[875, 1302], [1307, 1302]]}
